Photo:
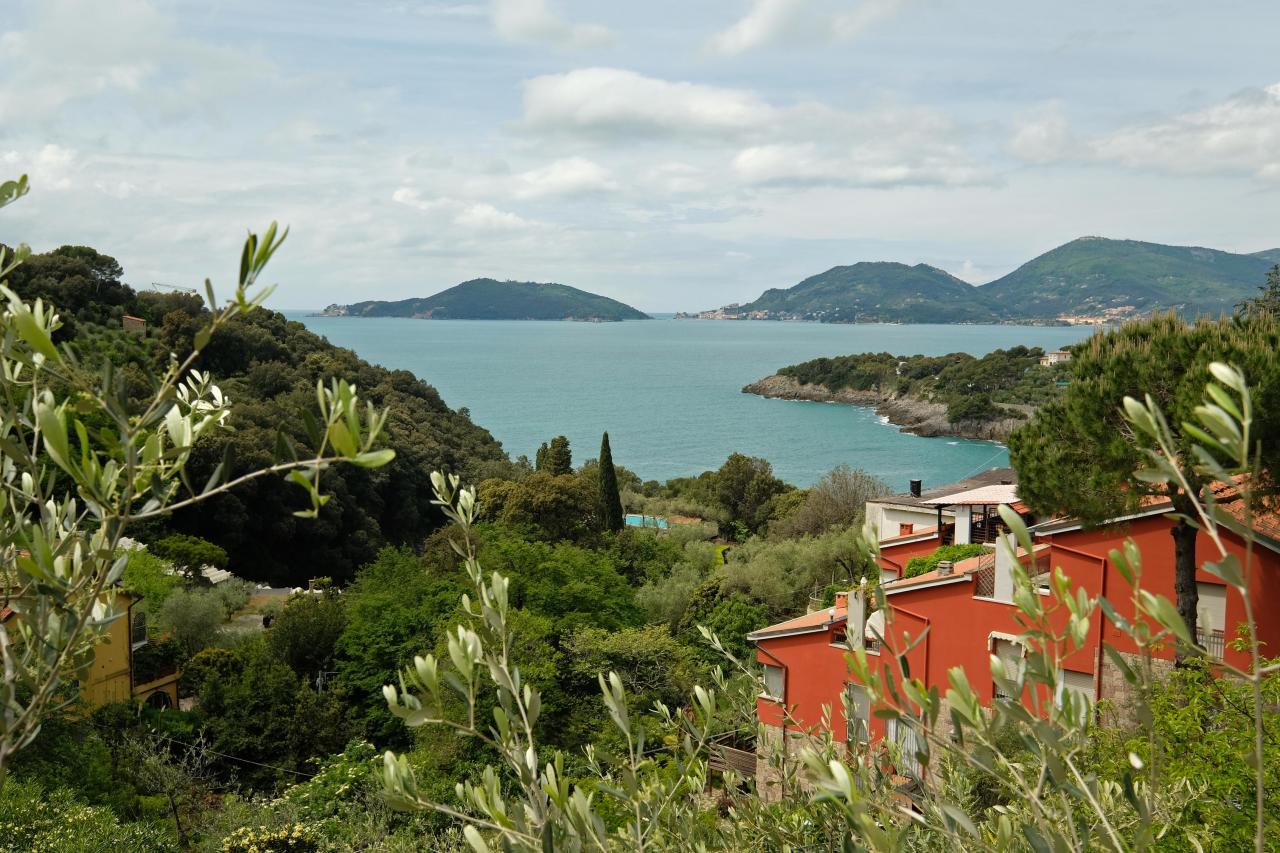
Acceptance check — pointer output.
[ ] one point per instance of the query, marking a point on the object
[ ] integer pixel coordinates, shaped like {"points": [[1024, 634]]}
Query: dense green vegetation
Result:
{"points": [[1091, 276], [972, 388], [269, 367], [486, 299]]}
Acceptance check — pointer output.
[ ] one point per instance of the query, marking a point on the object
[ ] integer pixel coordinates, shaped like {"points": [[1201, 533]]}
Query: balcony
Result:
{"points": [[1214, 642], [155, 661]]}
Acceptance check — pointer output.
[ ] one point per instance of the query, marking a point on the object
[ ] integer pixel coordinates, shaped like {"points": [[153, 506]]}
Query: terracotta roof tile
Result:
{"points": [[809, 621]]}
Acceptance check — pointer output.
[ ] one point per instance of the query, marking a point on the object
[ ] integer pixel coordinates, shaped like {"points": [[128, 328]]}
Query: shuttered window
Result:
{"points": [[858, 715], [1010, 654], [774, 682]]}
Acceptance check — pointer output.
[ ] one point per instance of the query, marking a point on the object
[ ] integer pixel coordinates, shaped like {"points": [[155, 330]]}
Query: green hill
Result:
{"points": [[1095, 276], [1271, 256], [881, 292], [269, 366], [487, 299]]}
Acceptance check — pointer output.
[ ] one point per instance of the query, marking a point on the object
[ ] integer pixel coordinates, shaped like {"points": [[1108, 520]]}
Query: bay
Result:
{"points": [[669, 391]]}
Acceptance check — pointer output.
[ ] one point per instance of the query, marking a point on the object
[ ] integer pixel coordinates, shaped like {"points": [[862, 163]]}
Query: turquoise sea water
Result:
{"points": [[669, 391]]}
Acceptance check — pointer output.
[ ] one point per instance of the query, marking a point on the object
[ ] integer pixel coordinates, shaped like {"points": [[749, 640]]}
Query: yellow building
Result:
{"points": [[126, 665]]}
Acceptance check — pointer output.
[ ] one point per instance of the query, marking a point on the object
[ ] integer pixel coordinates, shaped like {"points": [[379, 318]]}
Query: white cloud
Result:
{"points": [[467, 215], [1236, 136], [863, 166], [74, 50], [570, 176], [1045, 138], [612, 101], [849, 25], [49, 166], [766, 22], [1240, 135], [770, 22], [534, 21]]}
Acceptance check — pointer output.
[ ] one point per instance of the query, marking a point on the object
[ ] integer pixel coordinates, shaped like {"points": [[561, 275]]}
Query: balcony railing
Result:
{"points": [[1214, 642]]}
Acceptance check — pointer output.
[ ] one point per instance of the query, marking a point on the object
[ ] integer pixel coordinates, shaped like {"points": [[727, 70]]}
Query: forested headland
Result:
{"points": [[957, 394]]}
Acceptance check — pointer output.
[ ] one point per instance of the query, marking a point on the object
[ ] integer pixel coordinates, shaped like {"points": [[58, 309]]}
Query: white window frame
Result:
{"points": [[857, 715], [768, 693]]}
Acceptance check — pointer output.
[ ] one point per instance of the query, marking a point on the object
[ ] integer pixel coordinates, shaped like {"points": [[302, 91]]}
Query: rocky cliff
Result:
{"points": [[910, 414]]}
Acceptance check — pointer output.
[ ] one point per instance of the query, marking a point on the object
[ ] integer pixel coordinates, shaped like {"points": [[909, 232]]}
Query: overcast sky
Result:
{"points": [[675, 155]]}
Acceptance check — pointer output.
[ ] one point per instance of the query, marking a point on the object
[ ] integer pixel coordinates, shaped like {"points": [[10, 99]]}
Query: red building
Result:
{"points": [[968, 611]]}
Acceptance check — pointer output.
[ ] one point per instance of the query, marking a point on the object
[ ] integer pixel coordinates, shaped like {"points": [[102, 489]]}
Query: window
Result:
{"points": [[1010, 654], [857, 715], [1211, 617], [901, 733], [906, 529], [138, 627], [774, 682], [1078, 683]]}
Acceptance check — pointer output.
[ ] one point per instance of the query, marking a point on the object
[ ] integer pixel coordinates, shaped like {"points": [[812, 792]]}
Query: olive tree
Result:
{"points": [[80, 463]]}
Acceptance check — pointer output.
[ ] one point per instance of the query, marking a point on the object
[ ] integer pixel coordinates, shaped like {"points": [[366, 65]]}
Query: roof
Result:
{"points": [[921, 580], [990, 477], [1265, 519], [998, 493], [921, 534], [810, 622]]}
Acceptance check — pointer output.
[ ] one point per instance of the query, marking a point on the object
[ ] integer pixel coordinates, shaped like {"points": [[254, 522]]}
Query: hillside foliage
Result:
{"points": [[972, 387]]}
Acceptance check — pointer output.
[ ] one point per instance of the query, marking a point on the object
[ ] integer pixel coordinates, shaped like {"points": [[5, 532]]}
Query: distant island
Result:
{"points": [[488, 299], [1091, 280], [953, 395]]}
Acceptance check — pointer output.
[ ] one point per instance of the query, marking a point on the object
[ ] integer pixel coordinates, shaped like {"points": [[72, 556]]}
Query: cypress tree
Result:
{"points": [[610, 498]]}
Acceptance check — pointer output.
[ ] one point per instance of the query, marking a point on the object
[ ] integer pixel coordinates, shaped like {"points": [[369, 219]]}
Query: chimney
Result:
{"points": [[856, 624], [945, 567], [1006, 549], [915, 488], [842, 600]]}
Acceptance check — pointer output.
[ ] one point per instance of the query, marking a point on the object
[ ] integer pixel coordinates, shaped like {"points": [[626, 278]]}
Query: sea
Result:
{"points": [[669, 392]]}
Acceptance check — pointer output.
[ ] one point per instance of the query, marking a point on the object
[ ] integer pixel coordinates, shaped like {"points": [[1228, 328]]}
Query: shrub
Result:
{"points": [[193, 618], [954, 553], [189, 552], [298, 838], [233, 594], [57, 822], [149, 577]]}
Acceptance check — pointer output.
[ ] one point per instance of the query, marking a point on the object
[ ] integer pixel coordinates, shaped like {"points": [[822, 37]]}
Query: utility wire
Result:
{"points": [[238, 758]]}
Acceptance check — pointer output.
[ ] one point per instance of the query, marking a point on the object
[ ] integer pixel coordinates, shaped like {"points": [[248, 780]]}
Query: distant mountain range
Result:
{"points": [[487, 299], [1092, 279]]}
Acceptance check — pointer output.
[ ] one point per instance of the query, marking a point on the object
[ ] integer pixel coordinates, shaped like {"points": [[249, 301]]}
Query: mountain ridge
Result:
{"points": [[1090, 279]]}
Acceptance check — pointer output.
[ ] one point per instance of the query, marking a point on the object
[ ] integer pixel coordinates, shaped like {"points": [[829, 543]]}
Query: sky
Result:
{"points": [[673, 155]]}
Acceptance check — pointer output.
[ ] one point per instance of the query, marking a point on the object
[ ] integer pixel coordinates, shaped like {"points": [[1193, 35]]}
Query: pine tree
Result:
{"points": [[610, 498], [1268, 299], [540, 458], [1078, 456]]}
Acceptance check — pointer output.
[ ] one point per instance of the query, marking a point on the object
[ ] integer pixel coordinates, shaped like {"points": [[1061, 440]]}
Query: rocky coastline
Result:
{"points": [[909, 414]]}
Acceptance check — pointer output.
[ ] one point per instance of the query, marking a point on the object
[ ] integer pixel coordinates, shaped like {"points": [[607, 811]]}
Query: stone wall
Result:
{"points": [[1119, 693]]}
